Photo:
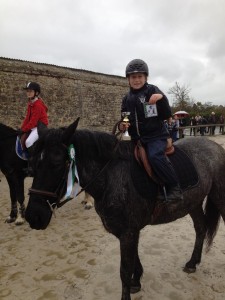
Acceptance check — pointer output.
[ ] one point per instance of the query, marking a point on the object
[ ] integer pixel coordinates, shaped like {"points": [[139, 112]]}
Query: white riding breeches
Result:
{"points": [[33, 137]]}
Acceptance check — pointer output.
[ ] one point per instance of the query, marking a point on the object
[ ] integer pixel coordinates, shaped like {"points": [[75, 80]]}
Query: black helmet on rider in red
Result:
{"points": [[136, 66], [33, 86]]}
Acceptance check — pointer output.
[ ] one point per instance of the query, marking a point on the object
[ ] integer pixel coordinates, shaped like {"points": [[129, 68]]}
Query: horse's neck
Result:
{"points": [[6, 131], [87, 170], [93, 152], [91, 177]]}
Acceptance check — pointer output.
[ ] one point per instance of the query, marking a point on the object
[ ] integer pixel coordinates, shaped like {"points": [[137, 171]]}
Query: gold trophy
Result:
{"points": [[126, 136]]}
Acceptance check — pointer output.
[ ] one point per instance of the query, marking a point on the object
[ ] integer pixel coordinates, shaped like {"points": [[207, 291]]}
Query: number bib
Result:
{"points": [[150, 110]]}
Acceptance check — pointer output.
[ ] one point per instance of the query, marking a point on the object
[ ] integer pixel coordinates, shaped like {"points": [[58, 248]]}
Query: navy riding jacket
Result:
{"points": [[142, 127]]}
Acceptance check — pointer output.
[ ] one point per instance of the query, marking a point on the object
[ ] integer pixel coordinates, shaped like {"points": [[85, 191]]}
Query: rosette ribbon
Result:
{"points": [[73, 182]]}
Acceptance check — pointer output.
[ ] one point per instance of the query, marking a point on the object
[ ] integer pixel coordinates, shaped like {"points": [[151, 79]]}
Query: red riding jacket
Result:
{"points": [[36, 111]]}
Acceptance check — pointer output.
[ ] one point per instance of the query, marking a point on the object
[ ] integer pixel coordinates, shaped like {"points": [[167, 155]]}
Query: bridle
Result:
{"points": [[58, 193]]}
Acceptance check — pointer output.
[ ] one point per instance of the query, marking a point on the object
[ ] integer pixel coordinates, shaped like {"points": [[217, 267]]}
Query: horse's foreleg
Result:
{"points": [[12, 191], [138, 271], [128, 252], [13, 213], [199, 221], [20, 198], [16, 189]]}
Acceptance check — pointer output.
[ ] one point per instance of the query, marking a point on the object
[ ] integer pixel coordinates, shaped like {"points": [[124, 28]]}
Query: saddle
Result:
{"points": [[20, 151], [141, 156], [23, 139]]}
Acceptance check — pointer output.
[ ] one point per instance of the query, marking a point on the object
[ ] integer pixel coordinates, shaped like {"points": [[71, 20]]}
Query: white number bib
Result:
{"points": [[150, 110]]}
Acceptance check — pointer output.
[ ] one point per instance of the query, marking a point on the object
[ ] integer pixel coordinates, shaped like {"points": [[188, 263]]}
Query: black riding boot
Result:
{"points": [[174, 195], [29, 170]]}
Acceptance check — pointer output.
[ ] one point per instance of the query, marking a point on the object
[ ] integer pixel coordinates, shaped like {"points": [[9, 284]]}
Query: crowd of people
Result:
{"points": [[174, 123], [202, 120]]}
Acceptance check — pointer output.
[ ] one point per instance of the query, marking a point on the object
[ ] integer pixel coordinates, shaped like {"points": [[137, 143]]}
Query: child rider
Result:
{"points": [[147, 125], [36, 111]]}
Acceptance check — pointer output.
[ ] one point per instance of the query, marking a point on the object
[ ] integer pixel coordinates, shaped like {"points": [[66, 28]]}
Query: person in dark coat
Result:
{"points": [[193, 122], [221, 121], [212, 120], [149, 127], [203, 121], [171, 126]]}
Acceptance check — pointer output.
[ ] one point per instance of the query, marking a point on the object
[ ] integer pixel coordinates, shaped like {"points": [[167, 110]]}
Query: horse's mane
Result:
{"points": [[6, 131], [50, 137], [98, 144], [92, 144]]}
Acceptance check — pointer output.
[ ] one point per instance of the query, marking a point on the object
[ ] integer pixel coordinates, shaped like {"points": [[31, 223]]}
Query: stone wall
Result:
{"points": [[67, 92]]}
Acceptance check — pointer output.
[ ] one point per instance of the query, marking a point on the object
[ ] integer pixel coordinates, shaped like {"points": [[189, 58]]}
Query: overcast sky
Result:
{"points": [[181, 41]]}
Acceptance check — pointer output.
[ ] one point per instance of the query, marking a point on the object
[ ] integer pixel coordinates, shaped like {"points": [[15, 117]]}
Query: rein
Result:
{"points": [[100, 172]]}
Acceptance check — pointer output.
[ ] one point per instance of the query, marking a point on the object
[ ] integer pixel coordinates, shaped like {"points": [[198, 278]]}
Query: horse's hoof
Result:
{"points": [[135, 289], [19, 222], [10, 220], [189, 270], [135, 286], [88, 206]]}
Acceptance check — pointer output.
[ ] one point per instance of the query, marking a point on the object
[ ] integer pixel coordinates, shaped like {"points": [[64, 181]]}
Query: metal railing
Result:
{"points": [[196, 129]]}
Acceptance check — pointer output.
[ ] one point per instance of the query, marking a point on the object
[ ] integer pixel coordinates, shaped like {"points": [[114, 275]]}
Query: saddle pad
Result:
{"points": [[19, 150], [145, 186], [184, 168]]}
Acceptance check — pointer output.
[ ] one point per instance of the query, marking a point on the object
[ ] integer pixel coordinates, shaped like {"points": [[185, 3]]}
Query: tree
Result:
{"points": [[180, 96]]}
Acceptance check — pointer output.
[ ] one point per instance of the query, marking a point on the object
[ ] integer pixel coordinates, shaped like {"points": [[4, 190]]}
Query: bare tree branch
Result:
{"points": [[180, 95]]}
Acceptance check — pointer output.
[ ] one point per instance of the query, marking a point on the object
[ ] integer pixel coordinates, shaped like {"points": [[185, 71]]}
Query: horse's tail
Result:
{"points": [[212, 215]]}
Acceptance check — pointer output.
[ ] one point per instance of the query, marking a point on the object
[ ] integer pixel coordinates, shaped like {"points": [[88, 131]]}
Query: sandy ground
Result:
{"points": [[75, 258]]}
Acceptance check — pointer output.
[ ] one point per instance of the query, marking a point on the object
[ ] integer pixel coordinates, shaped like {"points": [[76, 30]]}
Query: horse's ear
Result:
{"points": [[69, 131], [41, 127]]}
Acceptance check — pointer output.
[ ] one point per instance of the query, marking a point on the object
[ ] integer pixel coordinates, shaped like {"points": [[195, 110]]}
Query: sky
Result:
{"points": [[181, 41]]}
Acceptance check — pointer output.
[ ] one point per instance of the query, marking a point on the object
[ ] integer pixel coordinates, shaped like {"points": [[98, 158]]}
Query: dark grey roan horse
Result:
{"points": [[105, 167]]}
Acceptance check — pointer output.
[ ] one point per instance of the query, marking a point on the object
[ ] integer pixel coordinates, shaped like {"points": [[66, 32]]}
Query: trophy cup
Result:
{"points": [[126, 136]]}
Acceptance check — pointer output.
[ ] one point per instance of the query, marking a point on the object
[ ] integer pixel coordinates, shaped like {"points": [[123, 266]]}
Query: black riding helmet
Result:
{"points": [[33, 86], [136, 66]]}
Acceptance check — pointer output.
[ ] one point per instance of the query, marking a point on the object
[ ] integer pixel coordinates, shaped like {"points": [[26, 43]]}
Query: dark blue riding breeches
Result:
{"points": [[160, 164]]}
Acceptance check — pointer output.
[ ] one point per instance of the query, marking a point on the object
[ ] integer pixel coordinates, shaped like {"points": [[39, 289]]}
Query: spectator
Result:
{"points": [[212, 120], [172, 128], [203, 121], [177, 122], [221, 121], [193, 122]]}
